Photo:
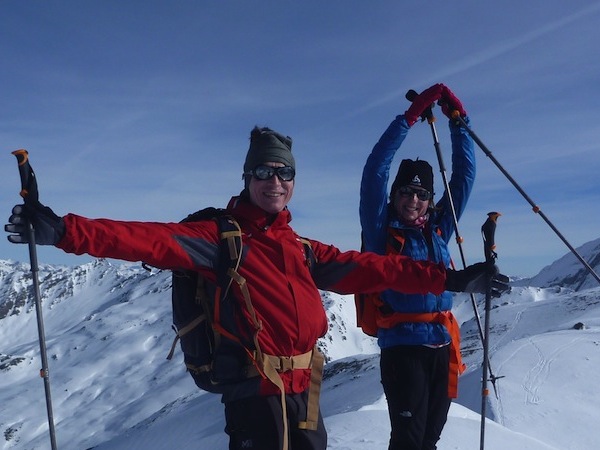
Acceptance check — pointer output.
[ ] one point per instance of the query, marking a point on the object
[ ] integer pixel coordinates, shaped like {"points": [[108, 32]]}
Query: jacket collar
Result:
{"points": [[242, 209]]}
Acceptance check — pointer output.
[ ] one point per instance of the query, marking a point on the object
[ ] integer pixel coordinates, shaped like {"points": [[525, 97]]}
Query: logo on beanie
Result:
{"points": [[416, 180]]}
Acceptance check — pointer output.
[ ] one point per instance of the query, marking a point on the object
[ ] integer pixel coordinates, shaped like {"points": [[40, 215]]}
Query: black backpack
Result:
{"points": [[215, 353]]}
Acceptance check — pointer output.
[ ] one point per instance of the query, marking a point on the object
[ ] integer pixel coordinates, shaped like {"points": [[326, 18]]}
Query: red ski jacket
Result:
{"points": [[284, 291]]}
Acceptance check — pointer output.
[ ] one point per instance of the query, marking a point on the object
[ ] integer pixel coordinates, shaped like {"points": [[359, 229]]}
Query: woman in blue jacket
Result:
{"points": [[418, 336]]}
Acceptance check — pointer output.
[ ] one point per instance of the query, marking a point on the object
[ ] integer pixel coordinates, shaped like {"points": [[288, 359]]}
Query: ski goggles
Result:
{"points": [[285, 173], [407, 191]]}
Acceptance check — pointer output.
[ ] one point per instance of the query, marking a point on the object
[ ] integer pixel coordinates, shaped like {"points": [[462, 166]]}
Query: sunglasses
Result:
{"points": [[285, 173], [422, 194]]}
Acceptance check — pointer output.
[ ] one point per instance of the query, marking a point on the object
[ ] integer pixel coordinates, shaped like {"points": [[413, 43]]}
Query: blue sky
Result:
{"points": [[141, 110]]}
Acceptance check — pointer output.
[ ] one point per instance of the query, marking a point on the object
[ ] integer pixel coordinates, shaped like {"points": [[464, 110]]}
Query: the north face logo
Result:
{"points": [[416, 180]]}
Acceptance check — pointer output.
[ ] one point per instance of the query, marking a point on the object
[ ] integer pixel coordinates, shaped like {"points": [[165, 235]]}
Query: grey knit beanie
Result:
{"points": [[267, 145]]}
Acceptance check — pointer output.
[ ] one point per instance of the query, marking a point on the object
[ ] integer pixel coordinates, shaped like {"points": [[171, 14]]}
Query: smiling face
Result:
{"points": [[271, 195], [408, 206]]}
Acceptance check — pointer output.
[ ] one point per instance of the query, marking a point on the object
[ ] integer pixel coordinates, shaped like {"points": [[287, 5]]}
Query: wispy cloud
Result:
{"points": [[151, 120]]}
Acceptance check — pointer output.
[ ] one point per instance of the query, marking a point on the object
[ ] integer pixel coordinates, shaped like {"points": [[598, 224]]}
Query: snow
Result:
{"points": [[108, 331]]}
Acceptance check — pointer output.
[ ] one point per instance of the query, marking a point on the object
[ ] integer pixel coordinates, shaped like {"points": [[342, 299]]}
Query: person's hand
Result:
{"points": [[421, 102], [48, 227], [450, 103], [474, 279]]}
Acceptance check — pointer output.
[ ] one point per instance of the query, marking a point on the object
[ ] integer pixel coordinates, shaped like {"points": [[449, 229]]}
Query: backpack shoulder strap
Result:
{"points": [[230, 259], [309, 254], [395, 241], [230, 251]]}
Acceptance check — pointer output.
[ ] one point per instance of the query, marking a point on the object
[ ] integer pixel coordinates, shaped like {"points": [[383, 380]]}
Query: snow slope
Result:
{"points": [[108, 333]]}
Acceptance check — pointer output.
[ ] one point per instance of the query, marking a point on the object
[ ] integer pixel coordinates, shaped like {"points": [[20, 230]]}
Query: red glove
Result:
{"points": [[423, 101], [450, 103]]}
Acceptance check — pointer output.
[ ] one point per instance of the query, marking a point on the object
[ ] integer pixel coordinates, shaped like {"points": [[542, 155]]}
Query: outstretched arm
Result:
{"points": [[164, 245], [354, 272]]}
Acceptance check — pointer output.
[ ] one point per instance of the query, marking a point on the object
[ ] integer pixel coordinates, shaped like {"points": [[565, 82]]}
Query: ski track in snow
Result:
{"points": [[538, 373]]}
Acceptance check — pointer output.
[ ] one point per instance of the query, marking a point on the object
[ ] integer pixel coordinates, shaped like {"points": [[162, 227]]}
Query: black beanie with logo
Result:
{"points": [[414, 173]]}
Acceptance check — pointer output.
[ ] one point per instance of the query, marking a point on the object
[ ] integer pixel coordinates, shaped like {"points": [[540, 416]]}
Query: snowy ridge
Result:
{"points": [[569, 271], [108, 330]]}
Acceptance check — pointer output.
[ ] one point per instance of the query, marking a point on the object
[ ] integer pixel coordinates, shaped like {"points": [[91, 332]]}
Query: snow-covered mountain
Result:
{"points": [[108, 331], [568, 271]]}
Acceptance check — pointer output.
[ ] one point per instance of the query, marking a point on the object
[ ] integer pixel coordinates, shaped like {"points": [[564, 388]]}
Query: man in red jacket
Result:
{"points": [[284, 290]]}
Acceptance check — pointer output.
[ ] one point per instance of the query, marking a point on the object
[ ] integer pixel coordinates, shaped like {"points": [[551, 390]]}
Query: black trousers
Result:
{"points": [[415, 382], [257, 423]]}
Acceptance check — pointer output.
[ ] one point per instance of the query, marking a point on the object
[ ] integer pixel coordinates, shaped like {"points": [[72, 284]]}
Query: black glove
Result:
{"points": [[49, 228], [474, 279]]}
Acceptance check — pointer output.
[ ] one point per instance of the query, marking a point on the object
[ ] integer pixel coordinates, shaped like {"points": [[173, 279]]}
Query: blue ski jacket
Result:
{"points": [[378, 217]]}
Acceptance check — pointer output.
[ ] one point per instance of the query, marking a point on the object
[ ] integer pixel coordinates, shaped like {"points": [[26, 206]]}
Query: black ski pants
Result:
{"points": [[415, 382], [257, 423]]}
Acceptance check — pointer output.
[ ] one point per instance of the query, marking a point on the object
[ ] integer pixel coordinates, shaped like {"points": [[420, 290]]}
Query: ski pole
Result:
{"points": [[29, 192], [488, 230], [428, 115], [536, 208]]}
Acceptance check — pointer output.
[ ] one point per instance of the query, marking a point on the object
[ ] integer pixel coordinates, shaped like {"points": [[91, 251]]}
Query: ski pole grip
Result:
{"points": [[488, 231], [29, 190]]}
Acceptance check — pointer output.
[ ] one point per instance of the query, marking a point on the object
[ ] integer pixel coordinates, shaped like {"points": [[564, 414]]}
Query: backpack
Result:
{"points": [[368, 306], [215, 352]]}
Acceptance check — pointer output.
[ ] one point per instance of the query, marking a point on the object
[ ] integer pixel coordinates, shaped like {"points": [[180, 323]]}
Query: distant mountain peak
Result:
{"points": [[568, 271]]}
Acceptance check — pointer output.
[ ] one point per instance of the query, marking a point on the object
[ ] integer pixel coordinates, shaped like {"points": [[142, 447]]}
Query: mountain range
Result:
{"points": [[108, 331]]}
